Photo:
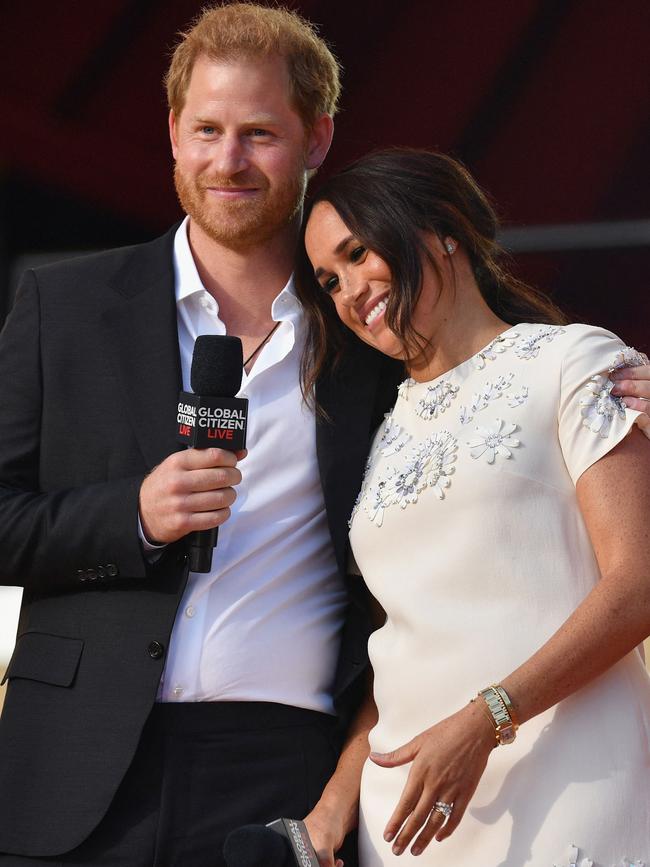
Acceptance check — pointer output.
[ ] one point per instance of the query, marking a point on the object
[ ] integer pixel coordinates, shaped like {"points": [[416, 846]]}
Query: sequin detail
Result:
{"points": [[628, 357], [491, 391], [496, 347], [427, 465], [493, 440], [574, 858], [528, 347], [437, 399], [600, 407]]}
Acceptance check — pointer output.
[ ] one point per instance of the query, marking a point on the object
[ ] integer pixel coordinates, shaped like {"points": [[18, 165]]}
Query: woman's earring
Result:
{"points": [[450, 247]]}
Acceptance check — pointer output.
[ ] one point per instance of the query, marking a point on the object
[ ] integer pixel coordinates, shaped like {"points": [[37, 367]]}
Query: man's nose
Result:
{"points": [[230, 156]]}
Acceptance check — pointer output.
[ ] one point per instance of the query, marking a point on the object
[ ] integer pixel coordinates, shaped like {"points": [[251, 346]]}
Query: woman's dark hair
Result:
{"points": [[389, 200]]}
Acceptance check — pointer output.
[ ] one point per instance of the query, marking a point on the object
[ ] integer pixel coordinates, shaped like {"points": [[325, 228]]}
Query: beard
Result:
{"points": [[241, 224]]}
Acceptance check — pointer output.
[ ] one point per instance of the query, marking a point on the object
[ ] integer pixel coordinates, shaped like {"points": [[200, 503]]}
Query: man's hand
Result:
{"points": [[190, 490], [633, 385]]}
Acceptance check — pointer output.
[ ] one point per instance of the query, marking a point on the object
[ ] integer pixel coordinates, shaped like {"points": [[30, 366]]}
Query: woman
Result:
{"points": [[488, 527]]}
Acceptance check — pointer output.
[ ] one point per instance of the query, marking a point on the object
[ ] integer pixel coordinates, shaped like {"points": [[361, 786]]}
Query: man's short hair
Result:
{"points": [[230, 31]]}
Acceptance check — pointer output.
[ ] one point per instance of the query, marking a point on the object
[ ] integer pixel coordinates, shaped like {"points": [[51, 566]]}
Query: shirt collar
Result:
{"points": [[286, 305]]}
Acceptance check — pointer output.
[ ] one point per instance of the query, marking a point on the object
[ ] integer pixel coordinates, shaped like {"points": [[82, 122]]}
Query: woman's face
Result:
{"points": [[359, 282]]}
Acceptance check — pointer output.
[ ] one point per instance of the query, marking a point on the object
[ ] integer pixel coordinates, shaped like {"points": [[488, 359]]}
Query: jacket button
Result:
{"points": [[112, 570], [101, 572], [81, 574], [91, 574], [156, 650]]}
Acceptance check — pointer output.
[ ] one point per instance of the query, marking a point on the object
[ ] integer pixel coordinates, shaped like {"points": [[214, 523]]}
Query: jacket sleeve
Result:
{"points": [[63, 539]]}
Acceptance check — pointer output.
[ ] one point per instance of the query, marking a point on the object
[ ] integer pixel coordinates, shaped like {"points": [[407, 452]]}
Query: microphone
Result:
{"points": [[282, 843], [211, 415]]}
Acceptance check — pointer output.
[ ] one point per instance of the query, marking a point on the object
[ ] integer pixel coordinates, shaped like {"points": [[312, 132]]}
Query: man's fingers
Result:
{"points": [[632, 388], [627, 373], [196, 459]]}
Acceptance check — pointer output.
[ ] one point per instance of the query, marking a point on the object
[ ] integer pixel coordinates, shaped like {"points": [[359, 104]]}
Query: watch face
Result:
{"points": [[506, 734]]}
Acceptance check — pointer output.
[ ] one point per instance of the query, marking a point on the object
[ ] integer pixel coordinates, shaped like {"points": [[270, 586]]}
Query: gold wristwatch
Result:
{"points": [[502, 713]]}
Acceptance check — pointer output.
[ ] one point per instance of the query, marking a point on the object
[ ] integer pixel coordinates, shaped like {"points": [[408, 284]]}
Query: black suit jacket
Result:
{"points": [[89, 380]]}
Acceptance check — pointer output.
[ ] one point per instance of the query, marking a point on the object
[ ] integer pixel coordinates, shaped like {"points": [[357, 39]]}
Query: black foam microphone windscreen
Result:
{"points": [[217, 365]]}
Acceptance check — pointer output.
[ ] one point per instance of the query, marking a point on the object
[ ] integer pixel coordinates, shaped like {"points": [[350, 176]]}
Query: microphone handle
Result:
{"points": [[200, 545]]}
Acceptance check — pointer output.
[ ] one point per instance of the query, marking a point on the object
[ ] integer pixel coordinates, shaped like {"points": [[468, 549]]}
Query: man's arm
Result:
{"points": [[77, 537]]}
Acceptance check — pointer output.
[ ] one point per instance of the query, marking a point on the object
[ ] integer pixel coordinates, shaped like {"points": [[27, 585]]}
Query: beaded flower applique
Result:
{"points": [[491, 391], [427, 465], [528, 347], [574, 859], [496, 347], [493, 440]]}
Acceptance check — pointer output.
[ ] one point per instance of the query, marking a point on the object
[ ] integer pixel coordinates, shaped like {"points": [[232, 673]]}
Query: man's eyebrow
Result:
{"points": [[342, 244]]}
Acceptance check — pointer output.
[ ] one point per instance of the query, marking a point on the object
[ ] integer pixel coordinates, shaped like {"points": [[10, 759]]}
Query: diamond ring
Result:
{"points": [[442, 807]]}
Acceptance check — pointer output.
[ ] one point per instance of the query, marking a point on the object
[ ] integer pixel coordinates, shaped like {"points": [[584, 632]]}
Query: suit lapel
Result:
{"points": [[143, 337], [348, 397]]}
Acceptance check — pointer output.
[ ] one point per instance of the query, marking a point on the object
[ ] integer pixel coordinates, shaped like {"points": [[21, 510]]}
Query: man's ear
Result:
{"points": [[319, 140], [173, 138]]}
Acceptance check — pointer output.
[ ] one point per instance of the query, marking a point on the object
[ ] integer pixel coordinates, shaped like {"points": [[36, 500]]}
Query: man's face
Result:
{"points": [[241, 151]]}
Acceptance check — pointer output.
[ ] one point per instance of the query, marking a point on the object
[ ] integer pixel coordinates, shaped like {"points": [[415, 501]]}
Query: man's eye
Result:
{"points": [[259, 132], [207, 130], [358, 253]]}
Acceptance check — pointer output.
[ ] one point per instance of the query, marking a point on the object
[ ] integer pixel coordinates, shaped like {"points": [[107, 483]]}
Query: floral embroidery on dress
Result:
{"points": [[393, 438], [404, 387], [493, 440], [515, 400], [573, 855], [428, 465], [600, 407], [497, 346], [437, 399], [628, 357], [491, 391], [528, 346]]}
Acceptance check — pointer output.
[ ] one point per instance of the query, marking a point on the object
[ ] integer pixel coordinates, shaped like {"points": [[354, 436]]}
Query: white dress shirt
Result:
{"points": [[265, 623]]}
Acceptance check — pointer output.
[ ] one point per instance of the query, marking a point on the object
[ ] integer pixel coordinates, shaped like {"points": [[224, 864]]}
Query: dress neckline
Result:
{"points": [[410, 383]]}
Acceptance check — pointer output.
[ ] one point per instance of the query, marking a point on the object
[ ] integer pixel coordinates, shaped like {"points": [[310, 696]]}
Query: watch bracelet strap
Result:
{"points": [[498, 707]]}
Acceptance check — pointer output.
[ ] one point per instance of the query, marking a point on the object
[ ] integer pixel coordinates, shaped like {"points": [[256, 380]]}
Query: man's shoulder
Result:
{"points": [[111, 264]]}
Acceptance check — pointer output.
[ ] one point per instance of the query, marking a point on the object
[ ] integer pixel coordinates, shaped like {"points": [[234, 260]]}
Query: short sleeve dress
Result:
{"points": [[468, 532]]}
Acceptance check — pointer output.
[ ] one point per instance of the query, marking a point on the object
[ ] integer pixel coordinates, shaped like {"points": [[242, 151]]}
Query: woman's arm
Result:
{"points": [[449, 758]]}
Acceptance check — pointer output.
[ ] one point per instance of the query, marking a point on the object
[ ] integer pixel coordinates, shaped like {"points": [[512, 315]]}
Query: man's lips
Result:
{"points": [[232, 192]]}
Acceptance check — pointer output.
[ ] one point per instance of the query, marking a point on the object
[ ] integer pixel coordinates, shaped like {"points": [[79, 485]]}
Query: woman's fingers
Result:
{"points": [[407, 803], [423, 817]]}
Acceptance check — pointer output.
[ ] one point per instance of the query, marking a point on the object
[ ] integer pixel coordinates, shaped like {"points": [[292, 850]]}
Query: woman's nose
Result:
{"points": [[353, 291]]}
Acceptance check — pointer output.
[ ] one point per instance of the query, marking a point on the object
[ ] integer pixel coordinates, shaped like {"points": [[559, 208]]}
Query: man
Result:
{"points": [[149, 712]]}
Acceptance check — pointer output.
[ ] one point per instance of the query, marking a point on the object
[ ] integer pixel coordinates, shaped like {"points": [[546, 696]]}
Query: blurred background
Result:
{"points": [[546, 101]]}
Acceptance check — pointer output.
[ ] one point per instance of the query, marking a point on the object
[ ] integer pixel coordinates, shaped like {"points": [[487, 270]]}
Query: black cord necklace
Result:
{"points": [[260, 345]]}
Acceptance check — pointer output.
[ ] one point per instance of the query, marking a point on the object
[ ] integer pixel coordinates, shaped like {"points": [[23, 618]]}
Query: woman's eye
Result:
{"points": [[330, 284], [357, 254]]}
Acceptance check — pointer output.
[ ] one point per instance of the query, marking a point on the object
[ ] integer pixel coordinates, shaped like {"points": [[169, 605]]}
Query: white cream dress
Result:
{"points": [[467, 530]]}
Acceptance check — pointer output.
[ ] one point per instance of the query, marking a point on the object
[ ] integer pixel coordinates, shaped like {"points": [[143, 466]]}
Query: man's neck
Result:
{"points": [[244, 283]]}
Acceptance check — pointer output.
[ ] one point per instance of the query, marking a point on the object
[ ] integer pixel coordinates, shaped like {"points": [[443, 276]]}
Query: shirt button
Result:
{"points": [[156, 650], [190, 611], [178, 691]]}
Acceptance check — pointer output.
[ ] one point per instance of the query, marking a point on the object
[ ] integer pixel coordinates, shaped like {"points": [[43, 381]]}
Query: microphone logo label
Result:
{"points": [[212, 421]]}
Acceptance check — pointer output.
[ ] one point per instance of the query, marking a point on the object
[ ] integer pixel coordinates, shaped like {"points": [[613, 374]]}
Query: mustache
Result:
{"points": [[234, 182]]}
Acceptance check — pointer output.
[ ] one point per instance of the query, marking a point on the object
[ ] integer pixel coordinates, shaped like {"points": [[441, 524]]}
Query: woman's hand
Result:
{"points": [[448, 761], [327, 833]]}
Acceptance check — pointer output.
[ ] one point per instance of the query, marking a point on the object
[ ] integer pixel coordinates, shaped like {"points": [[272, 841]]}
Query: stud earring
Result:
{"points": [[450, 247]]}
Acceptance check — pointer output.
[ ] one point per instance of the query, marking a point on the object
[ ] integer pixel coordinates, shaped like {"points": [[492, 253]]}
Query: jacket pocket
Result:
{"points": [[52, 659]]}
